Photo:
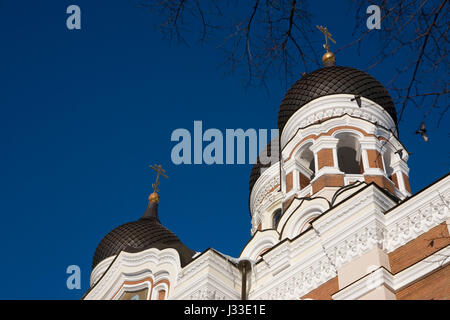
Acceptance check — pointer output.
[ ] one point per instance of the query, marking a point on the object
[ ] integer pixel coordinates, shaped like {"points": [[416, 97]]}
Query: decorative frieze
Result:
{"points": [[208, 293], [334, 106], [346, 233]]}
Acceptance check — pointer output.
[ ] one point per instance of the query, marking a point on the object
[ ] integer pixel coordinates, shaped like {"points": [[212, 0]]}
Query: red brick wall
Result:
{"points": [[419, 248], [375, 159], [328, 180], [435, 286], [325, 158], [380, 181], [289, 181], [325, 291], [406, 180], [304, 181]]}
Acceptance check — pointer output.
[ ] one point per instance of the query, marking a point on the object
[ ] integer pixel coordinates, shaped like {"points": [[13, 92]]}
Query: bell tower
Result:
{"points": [[338, 129], [331, 142]]}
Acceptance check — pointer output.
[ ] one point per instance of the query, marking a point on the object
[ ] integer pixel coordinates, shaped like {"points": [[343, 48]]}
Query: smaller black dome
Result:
{"points": [[145, 233], [333, 80]]}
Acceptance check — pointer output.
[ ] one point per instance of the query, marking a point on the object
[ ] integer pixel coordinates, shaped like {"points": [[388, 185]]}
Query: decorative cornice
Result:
{"points": [[332, 106], [346, 232], [154, 260], [370, 195], [295, 281], [209, 259], [265, 185], [208, 288], [197, 282], [261, 240], [356, 125], [428, 211], [396, 282]]}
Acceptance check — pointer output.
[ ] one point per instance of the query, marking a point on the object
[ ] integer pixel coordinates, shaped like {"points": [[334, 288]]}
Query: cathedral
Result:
{"points": [[332, 215]]}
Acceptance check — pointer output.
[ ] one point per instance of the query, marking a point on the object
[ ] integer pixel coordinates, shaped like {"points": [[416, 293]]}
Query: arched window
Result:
{"points": [[387, 157], [349, 153], [305, 159], [276, 218]]}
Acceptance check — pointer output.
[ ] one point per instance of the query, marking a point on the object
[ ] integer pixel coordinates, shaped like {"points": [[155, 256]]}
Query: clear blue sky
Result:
{"points": [[84, 113]]}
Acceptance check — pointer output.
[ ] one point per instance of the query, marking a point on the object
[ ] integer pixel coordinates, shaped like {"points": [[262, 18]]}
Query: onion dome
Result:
{"points": [[333, 80], [145, 233]]}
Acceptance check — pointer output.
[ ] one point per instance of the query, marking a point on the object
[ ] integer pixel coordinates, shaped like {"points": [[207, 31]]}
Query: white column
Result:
{"points": [[371, 143], [399, 168], [325, 142], [289, 167]]}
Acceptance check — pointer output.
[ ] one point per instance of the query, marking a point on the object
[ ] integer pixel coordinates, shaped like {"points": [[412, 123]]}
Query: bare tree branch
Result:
{"points": [[271, 39], [416, 31], [267, 38]]}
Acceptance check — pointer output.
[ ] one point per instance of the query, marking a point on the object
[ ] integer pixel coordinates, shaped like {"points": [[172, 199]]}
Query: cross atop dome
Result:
{"points": [[328, 59], [154, 197]]}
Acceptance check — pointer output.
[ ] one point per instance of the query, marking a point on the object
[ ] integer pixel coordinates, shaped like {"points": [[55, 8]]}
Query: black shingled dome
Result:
{"points": [[323, 82], [333, 80], [145, 233]]}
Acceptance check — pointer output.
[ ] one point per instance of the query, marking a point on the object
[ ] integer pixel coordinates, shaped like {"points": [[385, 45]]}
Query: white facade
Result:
{"points": [[343, 233]]}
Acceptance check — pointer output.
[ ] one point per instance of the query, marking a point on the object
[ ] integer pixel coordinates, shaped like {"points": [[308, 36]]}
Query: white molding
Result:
{"points": [[210, 276], [396, 282], [99, 270], [301, 133], [265, 209], [262, 240], [345, 233], [289, 165], [262, 191], [291, 228], [134, 287], [305, 191], [134, 267], [159, 287], [298, 279], [324, 142], [415, 217], [351, 178], [335, 105], [326, 171], [209, 288]]}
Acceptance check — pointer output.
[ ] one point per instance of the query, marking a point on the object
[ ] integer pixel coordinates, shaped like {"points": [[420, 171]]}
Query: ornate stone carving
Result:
{"points": [[208, 293]]}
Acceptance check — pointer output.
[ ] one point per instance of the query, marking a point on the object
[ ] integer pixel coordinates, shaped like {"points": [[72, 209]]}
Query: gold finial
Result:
{"points": [[154, 197], [328, 59]]}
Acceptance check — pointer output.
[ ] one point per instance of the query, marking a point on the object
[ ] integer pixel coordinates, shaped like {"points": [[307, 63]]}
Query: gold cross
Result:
{"points": [[327, 35], [160, 171]]}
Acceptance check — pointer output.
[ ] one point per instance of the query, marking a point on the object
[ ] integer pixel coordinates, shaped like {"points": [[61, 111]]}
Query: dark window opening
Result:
{"points": [[349, 154], [276, 218], [347, 160], [306, 160]]}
